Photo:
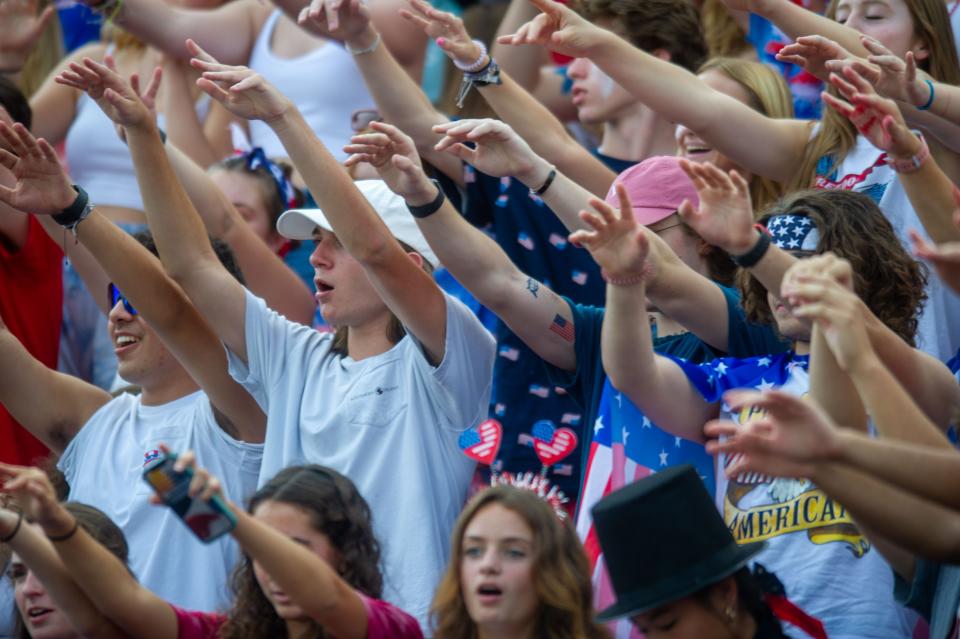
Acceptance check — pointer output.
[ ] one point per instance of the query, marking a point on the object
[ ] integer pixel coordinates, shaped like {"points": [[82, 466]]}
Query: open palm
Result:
{"points": [[618, 243], [498, 150], [42, 186], [725, 215]]}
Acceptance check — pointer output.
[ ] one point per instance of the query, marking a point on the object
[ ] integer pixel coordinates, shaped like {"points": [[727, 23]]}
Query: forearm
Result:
{"points": [[897, 463], [689, 298], [831, 388], [763, 146], [925, 380], [302, 575], [893, 412], [356, 224], [402, 102], [179, 233], [226, 33], [916, 524], [546, 135], [108, 584], [931, 194], [183, 127], [564, 197], [39, 555], [795, 21]]}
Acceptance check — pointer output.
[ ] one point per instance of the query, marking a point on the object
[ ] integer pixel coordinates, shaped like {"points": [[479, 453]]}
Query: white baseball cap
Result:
{"points": [[299, 224]]}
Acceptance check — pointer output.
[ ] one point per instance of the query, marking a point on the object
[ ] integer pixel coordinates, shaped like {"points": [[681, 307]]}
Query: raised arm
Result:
{"points": [[44, 189], [499, 151], [843, 319], [533, 121], [528, 307], [399, 99], [795, 439], [37, 555], [929, 189], [102, 577], [21, 25], [408, 291], [764, 146], [657, 385], [309, 581]]}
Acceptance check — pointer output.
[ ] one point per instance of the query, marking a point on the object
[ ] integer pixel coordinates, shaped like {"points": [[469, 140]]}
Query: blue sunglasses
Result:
{"points": [[114, 295]]}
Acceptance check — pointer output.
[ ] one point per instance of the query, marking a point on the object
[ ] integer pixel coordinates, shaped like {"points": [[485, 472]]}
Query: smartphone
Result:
{"points": [[208, 519]]}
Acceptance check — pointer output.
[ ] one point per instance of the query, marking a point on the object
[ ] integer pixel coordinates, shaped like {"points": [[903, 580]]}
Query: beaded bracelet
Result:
{"points": [[476, 65]]}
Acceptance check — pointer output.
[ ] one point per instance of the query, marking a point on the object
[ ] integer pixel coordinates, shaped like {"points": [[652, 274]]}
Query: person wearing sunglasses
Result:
{"points": [[166, 348]]}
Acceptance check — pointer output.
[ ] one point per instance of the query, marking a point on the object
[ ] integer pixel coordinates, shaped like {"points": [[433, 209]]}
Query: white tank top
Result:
{"points": [[325, 84]]}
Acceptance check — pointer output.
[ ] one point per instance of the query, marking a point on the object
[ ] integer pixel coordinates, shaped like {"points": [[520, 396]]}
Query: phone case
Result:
{"points": [[209, 520]]}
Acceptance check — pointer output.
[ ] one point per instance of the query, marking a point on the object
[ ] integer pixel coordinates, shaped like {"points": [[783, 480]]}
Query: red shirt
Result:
{"points": [[31, 305]]}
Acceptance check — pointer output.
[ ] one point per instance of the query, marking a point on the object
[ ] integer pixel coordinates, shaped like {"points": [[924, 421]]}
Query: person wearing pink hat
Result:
{"points": [[564, 334]]}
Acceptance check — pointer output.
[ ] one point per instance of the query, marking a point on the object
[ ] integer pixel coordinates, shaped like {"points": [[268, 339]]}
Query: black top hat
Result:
{"points": [[663, 539]]}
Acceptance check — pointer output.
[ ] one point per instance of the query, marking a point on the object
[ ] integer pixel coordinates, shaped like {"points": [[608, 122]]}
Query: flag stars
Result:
{"points": [[676, 442], [598, 425], [764, 361], [646, 423], [721, 368], [764, 385], [663, 457]]}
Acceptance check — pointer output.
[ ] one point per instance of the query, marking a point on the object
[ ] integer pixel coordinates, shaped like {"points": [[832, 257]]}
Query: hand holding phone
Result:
{"points": [[192, 494]]}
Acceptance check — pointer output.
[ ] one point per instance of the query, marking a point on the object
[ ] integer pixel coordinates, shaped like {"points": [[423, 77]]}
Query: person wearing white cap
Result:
{"points": [[385, 398]]}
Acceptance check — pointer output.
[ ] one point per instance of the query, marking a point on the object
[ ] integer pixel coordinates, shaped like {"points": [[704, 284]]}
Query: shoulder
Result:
{"points": [[386, 620]]}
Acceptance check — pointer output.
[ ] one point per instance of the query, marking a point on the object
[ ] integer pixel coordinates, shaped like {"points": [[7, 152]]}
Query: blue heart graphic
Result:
{"points": [[544, 430]]}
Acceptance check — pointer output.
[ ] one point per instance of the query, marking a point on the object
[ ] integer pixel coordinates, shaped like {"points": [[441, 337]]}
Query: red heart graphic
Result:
{"points": [[563, 442], [485, 451]]}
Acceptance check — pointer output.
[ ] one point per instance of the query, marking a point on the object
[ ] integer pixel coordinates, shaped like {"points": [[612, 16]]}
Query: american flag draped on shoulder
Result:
{"points": [[626, 447]]}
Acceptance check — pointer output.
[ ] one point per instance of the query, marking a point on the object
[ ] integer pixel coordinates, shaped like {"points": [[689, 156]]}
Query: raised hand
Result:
{"points": [[725, 216], [878, 119], [820, 289], [446, 29], [618, 243], [792, 435], [498, 150], [558, 28], [33, 492], [394, 155], [813, 53], [340, 19], [20, 28], [944, 257], [893, 77], [240, 90], [105, 87], [42, 185]]}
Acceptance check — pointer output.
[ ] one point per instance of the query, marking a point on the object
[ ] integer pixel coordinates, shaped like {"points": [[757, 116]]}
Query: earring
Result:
{"points": [[731, 614]]}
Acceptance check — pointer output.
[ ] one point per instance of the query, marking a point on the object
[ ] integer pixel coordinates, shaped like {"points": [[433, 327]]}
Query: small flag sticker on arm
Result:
{"points": [[563, 328]]}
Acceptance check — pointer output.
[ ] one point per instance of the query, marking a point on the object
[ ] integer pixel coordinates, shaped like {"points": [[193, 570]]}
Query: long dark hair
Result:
{"points": [[338, 511], [887, 279]]}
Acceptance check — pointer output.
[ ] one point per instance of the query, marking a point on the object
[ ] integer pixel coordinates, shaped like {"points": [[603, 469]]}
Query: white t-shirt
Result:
{"points": [[827, 566], [865, 171], [390, 423], [104, 466]]}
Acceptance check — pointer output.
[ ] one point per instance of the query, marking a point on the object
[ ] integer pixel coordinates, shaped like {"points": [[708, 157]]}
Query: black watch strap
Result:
{"points": [[428, 209], [754, 255], [74, 213]]}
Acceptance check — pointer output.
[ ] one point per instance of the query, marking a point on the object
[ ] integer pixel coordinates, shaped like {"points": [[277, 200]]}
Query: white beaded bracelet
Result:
{"points": [[477, 64]]}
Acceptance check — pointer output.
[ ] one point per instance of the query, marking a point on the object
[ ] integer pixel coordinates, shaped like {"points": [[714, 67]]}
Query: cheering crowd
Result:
{"points": [[516, 319]]}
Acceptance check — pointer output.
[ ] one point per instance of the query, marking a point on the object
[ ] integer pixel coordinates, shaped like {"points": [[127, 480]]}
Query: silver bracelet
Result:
{"points": [[370, 49]]}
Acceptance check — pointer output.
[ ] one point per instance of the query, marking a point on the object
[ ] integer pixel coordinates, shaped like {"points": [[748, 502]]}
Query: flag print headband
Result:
{"points": [[792, 232], [256, 158], [551, 444]]}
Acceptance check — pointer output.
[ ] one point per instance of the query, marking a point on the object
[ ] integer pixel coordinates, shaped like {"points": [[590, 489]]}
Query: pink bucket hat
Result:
{"points": [[657, 186]]}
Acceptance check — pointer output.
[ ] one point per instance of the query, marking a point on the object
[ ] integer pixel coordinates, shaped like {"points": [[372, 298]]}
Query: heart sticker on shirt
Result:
{"points": [[552, 444], [483, 442]]}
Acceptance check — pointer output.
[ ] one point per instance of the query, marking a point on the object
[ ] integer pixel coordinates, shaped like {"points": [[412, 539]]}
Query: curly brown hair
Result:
{"points": [[890, 282], [560, 572], [337, 510], [668, 25]]}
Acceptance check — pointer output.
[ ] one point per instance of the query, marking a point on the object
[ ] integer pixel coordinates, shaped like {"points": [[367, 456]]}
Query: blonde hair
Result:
{"points": [[723, 35], [837, 135], [769, 94], [44, 58]]}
